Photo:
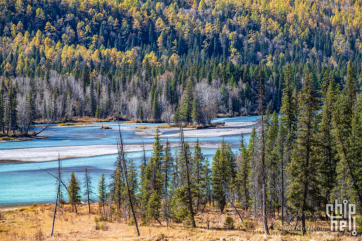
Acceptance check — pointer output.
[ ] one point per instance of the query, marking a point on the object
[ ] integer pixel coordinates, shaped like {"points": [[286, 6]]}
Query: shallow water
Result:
{"points": [[26, 183]]}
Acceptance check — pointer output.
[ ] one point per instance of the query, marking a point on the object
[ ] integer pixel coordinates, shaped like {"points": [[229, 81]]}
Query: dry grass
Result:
{"points": [[34, 223]]}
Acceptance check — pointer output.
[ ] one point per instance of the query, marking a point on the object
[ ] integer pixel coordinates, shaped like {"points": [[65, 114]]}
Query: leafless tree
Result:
{"points": [[122, 158]]}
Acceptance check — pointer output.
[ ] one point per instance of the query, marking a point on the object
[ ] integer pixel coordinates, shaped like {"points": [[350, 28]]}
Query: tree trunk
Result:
{"points": [[55, 211]]}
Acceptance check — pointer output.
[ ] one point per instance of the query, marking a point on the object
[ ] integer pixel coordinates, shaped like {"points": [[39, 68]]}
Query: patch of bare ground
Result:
{"points": [[34, 223]]}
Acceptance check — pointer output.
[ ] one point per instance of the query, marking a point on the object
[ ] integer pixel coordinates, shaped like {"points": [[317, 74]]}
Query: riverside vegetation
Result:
{"points": [[187, 61]]}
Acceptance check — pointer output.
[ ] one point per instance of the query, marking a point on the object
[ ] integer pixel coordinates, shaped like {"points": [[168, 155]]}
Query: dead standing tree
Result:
{"points": [[58, 193], [122, 159]]}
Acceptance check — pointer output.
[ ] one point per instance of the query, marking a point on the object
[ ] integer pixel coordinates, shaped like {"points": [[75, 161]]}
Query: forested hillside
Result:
{"points": [[151, 60]]}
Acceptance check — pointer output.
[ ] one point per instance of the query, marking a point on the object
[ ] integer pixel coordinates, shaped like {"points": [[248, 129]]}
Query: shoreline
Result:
{"points": [[26, 138], [44, 154], [47, 154]]}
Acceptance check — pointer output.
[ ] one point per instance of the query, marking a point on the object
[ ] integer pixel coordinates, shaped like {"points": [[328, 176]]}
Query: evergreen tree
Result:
{"points": [[102, 192], [196, 113], [166, 173], [347, 130], [243, 175], [85, 75], [328, 149], [154, 175], [272, 159], [88, 188], [2, 110], [186, 105], [223, 173], [304, 168], [117, 187], [73, 191], [198, 174]]}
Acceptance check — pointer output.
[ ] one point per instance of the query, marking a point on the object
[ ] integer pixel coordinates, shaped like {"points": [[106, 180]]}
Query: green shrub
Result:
{"points": [[229, 223]]}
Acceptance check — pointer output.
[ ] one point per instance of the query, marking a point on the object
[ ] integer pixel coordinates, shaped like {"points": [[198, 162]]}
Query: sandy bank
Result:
{"points": [[43, 154]]}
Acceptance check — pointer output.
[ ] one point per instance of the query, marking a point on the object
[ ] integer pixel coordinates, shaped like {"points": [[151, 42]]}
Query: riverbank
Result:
{"points": [[23, 138], [43, 154]]}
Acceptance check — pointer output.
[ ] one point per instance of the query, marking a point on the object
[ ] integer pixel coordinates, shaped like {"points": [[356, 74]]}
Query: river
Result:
{"points": [[27, 183]]}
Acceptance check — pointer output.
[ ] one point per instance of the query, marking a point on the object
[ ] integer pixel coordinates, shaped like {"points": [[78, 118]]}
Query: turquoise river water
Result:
{"points": [[27, 183]]}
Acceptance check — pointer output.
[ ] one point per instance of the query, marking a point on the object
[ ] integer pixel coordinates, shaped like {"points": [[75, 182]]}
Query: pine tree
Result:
{"points": [[88, 188], [328, 149], [156, 108], [154, 175], [346, 123], [2, 110], [261, 103], [102, 192], [289, 118], [166, 173], [117, 187], [198, 173], [243, 175], [196, 113], [180, 204], [223, 173], [73, 191], [304, 168], [85, 75], [272, 159], [187, 100]]}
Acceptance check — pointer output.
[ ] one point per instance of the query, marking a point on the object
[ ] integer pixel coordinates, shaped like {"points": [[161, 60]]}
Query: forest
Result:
{"points": [[153, 61], [296, 64]]}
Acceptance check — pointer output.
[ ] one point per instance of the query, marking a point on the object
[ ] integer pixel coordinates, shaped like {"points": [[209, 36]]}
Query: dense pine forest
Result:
{"points": [[153, 61]]}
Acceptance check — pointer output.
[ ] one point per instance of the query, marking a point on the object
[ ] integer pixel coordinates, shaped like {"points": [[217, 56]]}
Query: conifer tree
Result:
{"points": [[261, 103], [328, 149], [73, 191], [117, 187], [197, 111], [272, 159], [198, 173], [85, 75], [102, 192], [187, 100], [243, 175], [154, 175], [304, 168], [88, 188], [223, 173], [346, 114], [2, 111], [166, 173]]}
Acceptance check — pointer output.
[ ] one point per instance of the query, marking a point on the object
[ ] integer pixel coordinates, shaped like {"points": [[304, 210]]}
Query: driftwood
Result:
{"points": [[46, 127]]}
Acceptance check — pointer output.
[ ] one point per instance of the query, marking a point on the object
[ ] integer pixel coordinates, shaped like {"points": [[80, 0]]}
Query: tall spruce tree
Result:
{"points": [[74, 191], [243, 175], [154, 175], [102, 192], [304, 168], [187, 100], [198, 173], [346, 122], [196, 113], [223, 174], [328, 149], [167, 165]]}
